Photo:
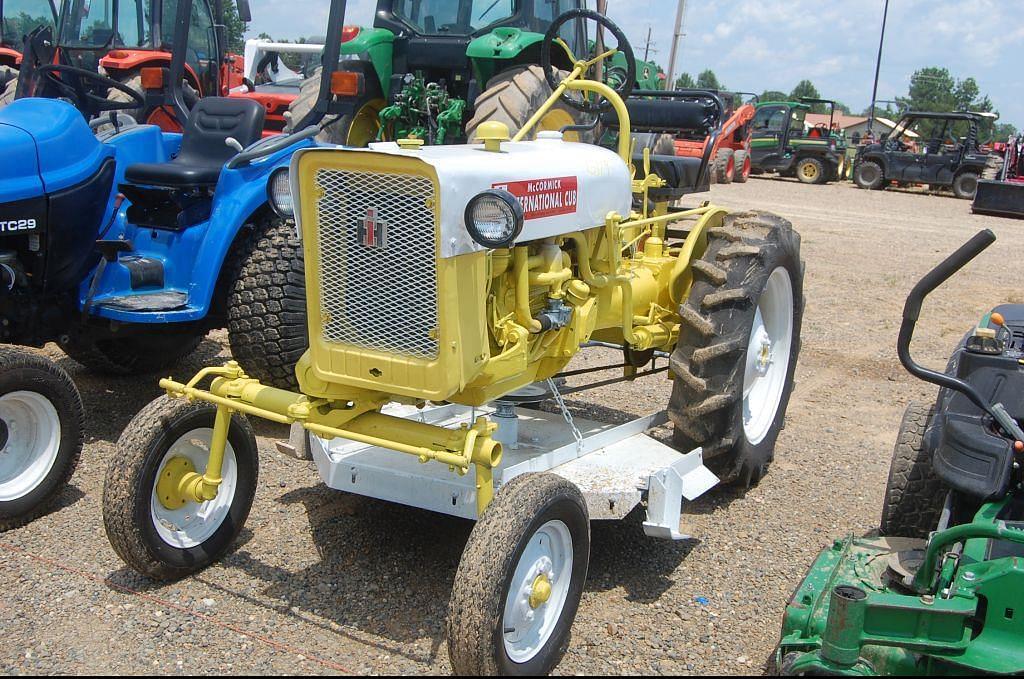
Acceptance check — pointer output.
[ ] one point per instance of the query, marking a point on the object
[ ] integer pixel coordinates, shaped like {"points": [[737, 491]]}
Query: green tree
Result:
{"points": [[685, 82], [235, 28], [804, 88], [707, 80], [934, 89], [772, 95]]}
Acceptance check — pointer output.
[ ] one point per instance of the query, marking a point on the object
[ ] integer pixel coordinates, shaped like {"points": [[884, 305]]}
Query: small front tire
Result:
{"points": [[914, 494], [41, 425], [170, 543], [520, 580], [810, 171]]}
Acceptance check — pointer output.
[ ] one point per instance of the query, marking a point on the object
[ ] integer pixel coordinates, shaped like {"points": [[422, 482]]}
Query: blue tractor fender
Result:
{"points": [[241, 193]]}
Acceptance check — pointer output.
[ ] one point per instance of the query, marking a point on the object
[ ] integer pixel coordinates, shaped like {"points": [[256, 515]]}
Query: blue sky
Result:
{"points": [[753, 45]]}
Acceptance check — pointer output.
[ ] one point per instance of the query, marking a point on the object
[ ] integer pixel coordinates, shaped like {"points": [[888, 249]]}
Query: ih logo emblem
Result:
{"points": [[373, 232]]}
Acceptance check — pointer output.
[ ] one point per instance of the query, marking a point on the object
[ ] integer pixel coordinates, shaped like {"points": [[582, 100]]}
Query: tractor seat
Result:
{"points": [[681, 175], [203, 149]]}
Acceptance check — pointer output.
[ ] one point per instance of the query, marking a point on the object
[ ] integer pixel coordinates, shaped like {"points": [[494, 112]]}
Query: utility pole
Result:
{"points": [[878, 67], [647, 45], [676, 35]]}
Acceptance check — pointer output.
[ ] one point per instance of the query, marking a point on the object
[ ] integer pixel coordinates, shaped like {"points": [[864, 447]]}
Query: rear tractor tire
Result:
{"points": [[267, 303], [738, 345], [742, 161], [156, 533], [914, 495], [520, 580], [514, 95], [869, 175], [41, 425], [161, 116], [357, 129], [725, 166]]}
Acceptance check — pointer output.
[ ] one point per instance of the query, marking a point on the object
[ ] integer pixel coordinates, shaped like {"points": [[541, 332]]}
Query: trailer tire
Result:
{"points": [[38, 398], [137, 353], [140, 529], [965, 186], [914, 494], [869, 175], [503, 552], [742, 174], [725, 165], [750, 277], [514, 95], [266, 304]]}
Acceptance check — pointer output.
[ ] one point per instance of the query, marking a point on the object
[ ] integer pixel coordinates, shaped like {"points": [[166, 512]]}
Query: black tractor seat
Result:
{"points": [[203, 149], [681, 174]]}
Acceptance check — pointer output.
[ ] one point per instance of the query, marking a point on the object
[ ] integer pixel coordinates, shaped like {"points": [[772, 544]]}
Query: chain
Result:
{"points": [[576, 434]]}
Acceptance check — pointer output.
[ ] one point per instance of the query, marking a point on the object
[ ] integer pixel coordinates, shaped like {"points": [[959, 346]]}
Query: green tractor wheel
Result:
{"points": [[513, 96], [810, 170]]}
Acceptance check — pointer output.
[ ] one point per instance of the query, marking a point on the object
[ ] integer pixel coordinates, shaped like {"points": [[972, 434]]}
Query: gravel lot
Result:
{"points": [[327, 583]]}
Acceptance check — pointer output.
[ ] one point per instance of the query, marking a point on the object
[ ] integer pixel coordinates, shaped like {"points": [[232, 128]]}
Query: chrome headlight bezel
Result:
{"points": [[280, 178], [510, 207]]}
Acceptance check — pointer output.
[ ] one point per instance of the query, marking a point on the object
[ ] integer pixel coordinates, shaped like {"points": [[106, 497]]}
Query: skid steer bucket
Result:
{"points": [[1002, 199]]}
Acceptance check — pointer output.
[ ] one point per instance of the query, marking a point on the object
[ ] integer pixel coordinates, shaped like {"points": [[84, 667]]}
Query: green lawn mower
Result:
{"points": [[940, 590]]}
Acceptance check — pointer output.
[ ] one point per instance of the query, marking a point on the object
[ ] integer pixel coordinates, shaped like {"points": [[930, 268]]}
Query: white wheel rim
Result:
{"points": [[32, 445], [525, 629], [194, 523], [767, 360]]}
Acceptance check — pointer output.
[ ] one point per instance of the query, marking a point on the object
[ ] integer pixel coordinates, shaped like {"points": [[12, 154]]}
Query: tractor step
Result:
{"points": [[162, 300], [616, 467]]}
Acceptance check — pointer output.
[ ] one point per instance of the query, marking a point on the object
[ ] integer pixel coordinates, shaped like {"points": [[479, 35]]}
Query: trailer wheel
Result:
{"points": [[520, 580], [514, 95], [869, 175], [41, 424], [160, 535], [738, 345], [742, 160], [965, 186], [139, 352], [914, 494], [725, 165], [267, 303], [810, 170]]}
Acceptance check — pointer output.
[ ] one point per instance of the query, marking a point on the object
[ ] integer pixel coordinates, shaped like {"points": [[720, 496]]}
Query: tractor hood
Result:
{"points": [[47, 146]]}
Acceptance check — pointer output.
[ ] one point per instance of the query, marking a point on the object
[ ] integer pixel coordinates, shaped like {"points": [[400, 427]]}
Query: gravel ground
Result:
{"points": [[326, 583]]}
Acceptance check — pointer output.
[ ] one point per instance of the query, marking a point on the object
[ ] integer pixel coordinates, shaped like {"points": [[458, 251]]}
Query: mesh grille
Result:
{"points": [[378, 297]]}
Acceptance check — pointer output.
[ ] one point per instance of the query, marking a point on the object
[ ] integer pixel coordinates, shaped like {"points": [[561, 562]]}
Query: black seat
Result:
{"points": [[203, 150]]}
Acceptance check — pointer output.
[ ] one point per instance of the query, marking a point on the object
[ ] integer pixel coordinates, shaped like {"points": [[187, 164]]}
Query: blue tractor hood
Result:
{"points": [[45, 146]]}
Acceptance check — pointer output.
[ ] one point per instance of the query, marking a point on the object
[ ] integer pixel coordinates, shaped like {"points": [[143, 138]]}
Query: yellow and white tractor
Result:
{"points": [[445, 286]]}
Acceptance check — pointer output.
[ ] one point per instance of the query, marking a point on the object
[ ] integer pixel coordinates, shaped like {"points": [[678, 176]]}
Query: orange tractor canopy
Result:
{"points": [[731, 152]]}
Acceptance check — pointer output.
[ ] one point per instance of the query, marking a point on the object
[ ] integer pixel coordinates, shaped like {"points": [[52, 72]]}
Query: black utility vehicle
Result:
{"points": [[938, 149]]}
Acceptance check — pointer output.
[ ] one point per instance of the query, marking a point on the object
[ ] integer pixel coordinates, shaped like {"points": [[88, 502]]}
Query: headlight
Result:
{"points": [[494, 218], [279, 193]]}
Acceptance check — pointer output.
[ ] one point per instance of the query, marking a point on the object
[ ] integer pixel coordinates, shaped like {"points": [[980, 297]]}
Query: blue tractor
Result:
{"points": [[125, 245]]}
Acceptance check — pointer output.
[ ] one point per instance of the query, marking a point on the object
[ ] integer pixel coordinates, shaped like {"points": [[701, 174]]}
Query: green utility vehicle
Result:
{"points": [[781, 142], [436, 69]]}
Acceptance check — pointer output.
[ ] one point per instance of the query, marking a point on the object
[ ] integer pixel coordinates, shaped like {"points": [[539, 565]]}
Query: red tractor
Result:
{"points": [[731, 153], [17, 19], [130, 42]]}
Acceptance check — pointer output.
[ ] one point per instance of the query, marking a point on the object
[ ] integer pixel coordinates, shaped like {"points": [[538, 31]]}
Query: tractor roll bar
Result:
{"points": [[329, 64], [912, 311]]}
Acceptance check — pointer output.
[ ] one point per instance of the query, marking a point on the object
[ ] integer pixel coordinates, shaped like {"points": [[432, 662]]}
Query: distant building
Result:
{"points": [[855, 127]]}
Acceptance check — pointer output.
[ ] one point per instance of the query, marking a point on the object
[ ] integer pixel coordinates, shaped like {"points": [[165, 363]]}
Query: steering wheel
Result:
{"points": [[625, 87], [86, 101]]}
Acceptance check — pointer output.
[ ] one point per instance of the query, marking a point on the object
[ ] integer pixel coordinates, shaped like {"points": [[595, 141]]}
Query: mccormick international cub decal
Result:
{"points": [[544, 197]]}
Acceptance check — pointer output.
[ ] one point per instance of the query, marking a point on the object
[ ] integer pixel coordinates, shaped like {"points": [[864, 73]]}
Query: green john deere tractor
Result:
{"points": [[940, 589], [782, 142], [436, 69]]}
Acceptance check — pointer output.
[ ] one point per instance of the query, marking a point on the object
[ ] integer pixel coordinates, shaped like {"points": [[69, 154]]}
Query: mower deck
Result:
{"points": [[616, 467]]}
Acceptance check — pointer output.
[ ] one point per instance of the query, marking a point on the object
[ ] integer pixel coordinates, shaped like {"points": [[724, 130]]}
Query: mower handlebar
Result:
{"points": [[912, 311]]}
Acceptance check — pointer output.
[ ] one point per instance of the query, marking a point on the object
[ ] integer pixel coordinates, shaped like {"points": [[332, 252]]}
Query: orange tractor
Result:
{"points": [[731, 153]]}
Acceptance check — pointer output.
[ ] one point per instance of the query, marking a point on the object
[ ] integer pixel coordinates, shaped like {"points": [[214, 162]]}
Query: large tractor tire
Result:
{"points": [[7, 74], [161, 116], [811, 170], [41, 425], [965, 186], [141, 352], [7, 92], [514, 95], [267, 303], [725, 166], [738, 345], [993, 166], [742, 161], [357, 129], [914, 495], [869, 175]]}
